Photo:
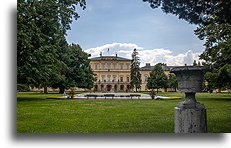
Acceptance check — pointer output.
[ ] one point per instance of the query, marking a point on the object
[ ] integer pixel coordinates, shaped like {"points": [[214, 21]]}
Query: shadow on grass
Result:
{"points": [[215, 99], [30, 99]]}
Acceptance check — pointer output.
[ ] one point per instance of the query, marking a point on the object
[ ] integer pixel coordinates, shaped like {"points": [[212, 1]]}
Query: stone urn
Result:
{"points": [[190, 115]]}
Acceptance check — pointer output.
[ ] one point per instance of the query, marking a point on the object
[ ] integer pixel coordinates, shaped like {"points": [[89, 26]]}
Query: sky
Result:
{"points": [[122, 25]]}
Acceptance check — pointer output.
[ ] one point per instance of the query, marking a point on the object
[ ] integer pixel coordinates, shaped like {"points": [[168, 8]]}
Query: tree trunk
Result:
{"points": [[45, 89], [157, 90]]}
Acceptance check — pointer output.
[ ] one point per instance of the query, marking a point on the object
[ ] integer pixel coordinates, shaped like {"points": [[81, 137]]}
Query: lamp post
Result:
{"points": [[190, 115]]}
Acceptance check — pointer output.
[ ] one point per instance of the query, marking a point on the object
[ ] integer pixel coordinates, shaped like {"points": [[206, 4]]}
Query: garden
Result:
{"points": [[37, 114]]}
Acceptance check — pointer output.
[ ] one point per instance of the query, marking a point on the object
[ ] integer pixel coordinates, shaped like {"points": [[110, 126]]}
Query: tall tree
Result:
{"points": [[157, 78], [41, 25], [135, 71], [80, 73], [76, 71]]}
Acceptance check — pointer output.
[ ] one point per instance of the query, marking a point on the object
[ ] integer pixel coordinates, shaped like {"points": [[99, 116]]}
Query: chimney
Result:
{"points": [[116, 55], [100, 54], [148, 65]]}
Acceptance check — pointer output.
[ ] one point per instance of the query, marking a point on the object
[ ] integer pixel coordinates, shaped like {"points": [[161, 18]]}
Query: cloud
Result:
{"points": [[114, 48], [152, 56]]}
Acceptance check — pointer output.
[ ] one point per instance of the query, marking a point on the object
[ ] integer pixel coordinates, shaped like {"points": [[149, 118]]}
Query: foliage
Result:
{"points": [[213, 18], [157, 78], [41, 27], [217, 52], [80, 73], [152, 93], [22, 87], [172, 81], [71, 93], [76, 69], [195, 11], [135, 73]]}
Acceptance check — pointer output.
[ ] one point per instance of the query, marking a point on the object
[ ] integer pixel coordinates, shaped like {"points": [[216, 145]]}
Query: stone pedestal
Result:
{"points": [[190, 120], [190, 115]]}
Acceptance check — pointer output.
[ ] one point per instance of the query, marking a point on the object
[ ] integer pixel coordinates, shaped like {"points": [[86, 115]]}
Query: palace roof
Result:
{"points": [[103, 58]]}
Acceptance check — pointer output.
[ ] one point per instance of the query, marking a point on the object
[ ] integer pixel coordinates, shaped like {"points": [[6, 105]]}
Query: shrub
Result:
{"points": [[71, 93], [152, 93], [22, 88]]}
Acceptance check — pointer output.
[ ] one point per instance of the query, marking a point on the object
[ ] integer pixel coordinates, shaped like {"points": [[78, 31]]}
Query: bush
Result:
{"points": [[152, 93], [23, 88], [71, 93]]}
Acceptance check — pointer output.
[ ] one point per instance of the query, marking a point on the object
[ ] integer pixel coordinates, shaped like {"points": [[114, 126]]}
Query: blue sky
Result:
{"points": [[115, 23]]}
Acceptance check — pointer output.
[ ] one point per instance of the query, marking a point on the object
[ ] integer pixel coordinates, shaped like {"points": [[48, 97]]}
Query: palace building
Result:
{"points": [[113, 73]]}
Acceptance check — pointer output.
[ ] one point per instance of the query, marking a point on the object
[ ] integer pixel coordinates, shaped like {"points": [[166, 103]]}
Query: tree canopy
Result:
{"points": [[214, 26], [42, 50], [135, 71], [157, 78], [172, 81], [195, 11]]}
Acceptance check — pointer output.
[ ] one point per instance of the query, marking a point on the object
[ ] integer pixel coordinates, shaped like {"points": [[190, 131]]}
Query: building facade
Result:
{"points": [[112, 73]]}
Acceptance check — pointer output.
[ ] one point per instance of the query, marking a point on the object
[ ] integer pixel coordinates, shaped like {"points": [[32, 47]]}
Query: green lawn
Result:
{"points": [[36, 114]]}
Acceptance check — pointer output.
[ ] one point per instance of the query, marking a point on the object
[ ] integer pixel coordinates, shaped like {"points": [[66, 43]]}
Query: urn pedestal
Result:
{"points": [[190, 115]]}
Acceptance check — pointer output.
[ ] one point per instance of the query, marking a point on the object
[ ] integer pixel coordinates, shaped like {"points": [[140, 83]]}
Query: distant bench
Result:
{"points": [[109, 95], [135, 95], [91, 95]]}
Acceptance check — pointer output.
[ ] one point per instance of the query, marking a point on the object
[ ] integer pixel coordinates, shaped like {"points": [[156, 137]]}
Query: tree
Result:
{"points": [[41, 26], [217, 50], [213, 18], [80, 73], [195, 11], [77, 72], [172, 81], [157, 78], [135, 73]]}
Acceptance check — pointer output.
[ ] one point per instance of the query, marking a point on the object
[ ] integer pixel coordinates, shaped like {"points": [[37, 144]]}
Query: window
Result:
{"points": [[102, 78], [121, 87], [114, 66], [121, 79], [109, 78], [96, 66], [146, 78], [127, 79], [121, 66], [108, 66], [128, 67], [114, 78], [102, 66]]}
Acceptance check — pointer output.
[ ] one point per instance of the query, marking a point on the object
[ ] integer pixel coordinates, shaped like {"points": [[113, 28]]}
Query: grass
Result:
{"points": [[36, 114]]}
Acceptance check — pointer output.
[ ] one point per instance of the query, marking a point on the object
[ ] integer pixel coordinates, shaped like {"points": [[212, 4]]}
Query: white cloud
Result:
{"points": [[152, 56], [114, 48]]}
